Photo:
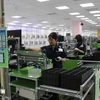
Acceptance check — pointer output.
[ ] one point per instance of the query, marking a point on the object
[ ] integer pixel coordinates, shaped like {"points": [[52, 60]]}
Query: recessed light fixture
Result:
{"points": [[94, 12], [50, 28], [44, 22], [15, 21], [80, 16], [62, 7], [35, 26], [11, 23], [93, 23], [87, 5], [88, 20], [24, 25], [97, 15], [17, 17], [44, 27], [43, 0], [61, 25], [57, 29], [28, 23], [74, 13], [97, 25], [84, 18]]}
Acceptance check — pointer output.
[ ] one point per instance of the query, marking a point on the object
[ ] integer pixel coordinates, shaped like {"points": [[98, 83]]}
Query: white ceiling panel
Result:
{"points": [[34, 12]]}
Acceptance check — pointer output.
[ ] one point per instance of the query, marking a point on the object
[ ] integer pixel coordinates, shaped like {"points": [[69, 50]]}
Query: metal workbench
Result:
{"points": [[77, 94]]}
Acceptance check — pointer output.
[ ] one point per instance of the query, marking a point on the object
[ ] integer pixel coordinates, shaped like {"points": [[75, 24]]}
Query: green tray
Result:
{"points": [[69, 64], [23, 73]]}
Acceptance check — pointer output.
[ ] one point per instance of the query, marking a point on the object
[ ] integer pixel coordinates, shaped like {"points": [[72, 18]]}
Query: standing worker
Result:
{"points": [[53, 51], [80, 47]]}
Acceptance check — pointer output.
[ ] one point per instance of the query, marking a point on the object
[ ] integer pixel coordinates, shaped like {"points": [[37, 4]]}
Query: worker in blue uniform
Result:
{"points": [[53, 51], [80, 47]]}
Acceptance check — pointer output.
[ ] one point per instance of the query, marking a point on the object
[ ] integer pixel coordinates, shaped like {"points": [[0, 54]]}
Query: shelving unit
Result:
{"points": [[25, 83]]}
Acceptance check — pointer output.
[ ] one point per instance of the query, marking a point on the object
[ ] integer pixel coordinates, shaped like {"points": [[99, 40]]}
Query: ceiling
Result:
{"points": [[34, 12]]}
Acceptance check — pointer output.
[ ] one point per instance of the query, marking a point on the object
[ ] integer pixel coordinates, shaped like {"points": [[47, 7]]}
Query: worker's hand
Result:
{"points": [[59, 58], [76, 49]]}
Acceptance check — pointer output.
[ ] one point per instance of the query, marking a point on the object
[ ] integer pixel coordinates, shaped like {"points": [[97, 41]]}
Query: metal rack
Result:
{"points": [[20, 87], [96, 66], [32, 56], [76, 94]]}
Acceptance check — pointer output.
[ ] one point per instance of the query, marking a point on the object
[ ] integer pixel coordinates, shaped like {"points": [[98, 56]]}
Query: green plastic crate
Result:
{"points": [[69, 64]]}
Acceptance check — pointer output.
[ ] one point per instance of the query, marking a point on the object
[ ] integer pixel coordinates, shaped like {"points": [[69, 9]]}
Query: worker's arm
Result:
{"points": [[81, 51], [35, 49]]}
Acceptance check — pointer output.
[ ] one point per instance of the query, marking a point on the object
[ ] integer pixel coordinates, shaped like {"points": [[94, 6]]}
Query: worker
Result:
{"points": [[53, 51], [80, 47], [98, 41]]}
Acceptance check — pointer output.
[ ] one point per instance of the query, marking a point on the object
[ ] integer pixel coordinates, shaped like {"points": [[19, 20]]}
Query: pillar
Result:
{"points": [[98, 33], [76, 28]]}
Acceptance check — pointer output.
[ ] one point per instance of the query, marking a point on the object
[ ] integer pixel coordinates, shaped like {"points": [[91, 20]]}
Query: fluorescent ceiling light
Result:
{"points": [[24, 25], [43, 0], [17, 17], [50, 28], [75, 13], [62, 7], [28, 23], [80, 16], [61, 25], [15, 21], [87, 5], [57, 29], [97, 15], [94, 12], [88, 20], [44, 22], [93, 23], [43, 27], [97, 25], [35, 26], [84, 18], [11, 23]]}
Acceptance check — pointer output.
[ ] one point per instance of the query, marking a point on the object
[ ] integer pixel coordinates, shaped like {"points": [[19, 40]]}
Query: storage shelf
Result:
{"points": [[23, 74], [22, 84]]}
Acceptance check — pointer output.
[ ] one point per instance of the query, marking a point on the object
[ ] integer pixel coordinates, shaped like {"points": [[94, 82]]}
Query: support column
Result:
{"points": [[98, 33], [76, 28]]}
